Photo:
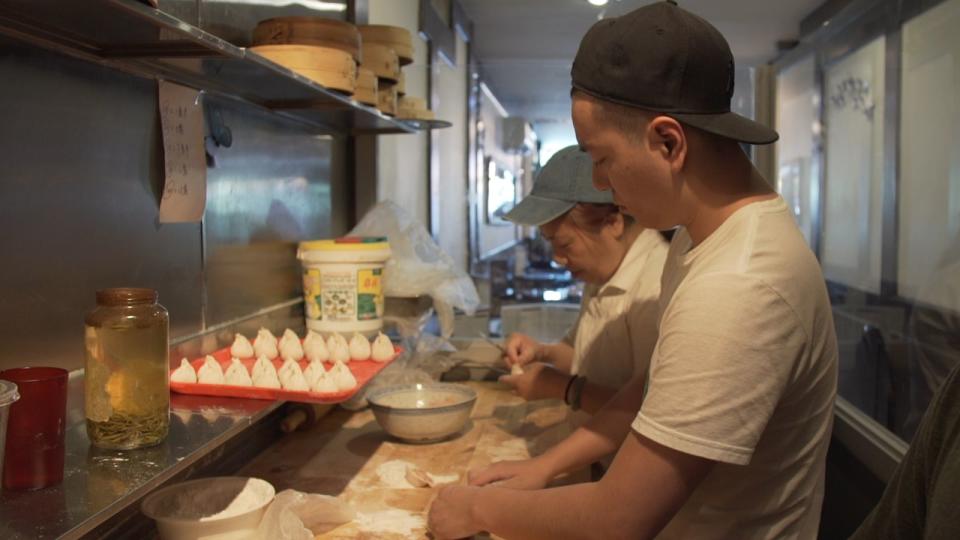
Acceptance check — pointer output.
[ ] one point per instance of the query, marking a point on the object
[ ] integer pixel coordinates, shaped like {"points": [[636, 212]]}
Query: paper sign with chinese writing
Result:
{"points": [[184, 161]]}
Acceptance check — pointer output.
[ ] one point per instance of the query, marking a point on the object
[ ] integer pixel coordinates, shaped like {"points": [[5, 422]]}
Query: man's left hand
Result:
{"points": [[538, 381]]}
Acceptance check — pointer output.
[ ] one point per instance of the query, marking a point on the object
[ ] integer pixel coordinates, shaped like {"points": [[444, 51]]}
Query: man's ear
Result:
{"points": [[616, 224], [667, 139]]}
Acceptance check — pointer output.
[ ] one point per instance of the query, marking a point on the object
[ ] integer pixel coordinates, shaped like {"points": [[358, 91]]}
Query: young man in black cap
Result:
{"points": [[731, 435]]}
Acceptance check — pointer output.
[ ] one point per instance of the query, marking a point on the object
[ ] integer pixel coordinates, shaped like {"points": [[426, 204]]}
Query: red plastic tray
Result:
{"points": [[363, 371]]}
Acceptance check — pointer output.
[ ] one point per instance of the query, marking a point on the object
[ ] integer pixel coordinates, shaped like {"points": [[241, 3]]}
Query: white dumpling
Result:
{"points": [[241, 347], [314, 368], [290, 346], [343, 376], [324, 382], [237, 374], [291, 377], [184, 374], [265, 344], [359, 347], [210, 372], [265, 374], [516, 369], [340, 352], [382, 348], [314, 347]]}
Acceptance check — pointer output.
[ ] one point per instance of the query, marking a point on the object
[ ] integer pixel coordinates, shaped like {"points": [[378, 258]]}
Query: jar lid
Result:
{"points": [[347, 243], [125, 296], [8, 393]]}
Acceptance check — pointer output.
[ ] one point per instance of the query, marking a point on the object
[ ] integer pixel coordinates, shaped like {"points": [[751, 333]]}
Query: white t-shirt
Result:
{"points": [[617, 328], [745, 373]]}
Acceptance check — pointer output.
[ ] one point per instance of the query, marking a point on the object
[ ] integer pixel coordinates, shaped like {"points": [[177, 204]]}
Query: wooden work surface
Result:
{"points": [[340, 455]]}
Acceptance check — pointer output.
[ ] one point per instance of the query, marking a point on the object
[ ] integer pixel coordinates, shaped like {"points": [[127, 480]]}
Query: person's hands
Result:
{"points": [[525, 474], [538, 381], [450, 513], [522, 349]]}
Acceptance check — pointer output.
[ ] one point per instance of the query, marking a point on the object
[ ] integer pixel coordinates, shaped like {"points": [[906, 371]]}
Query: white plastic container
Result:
{"points": [[343, 284], [8, 395], [219, 508]]}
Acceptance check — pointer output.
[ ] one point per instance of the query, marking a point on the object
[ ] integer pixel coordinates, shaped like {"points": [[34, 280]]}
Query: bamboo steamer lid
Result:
{"points": [[402, 84], [366, 91], [382, 60], [332, 68], [318, 31], [413, 107], [393, 36], [387, 98]]}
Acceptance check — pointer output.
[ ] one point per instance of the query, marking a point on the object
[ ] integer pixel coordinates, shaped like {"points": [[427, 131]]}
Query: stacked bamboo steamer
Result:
{"points": [[325, 50], [364, 62]]}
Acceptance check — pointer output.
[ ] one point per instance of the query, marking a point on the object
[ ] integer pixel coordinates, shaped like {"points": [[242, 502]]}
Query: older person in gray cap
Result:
{"points": [[727, 437], [621, 263]]}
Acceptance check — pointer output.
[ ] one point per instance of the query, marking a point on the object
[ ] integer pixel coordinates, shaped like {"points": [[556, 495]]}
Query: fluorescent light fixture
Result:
{"points": [[554, 296], [597, 2], [316, 5]]}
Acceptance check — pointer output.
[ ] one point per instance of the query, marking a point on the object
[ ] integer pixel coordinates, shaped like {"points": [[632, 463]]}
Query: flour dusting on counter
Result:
{"points": [[390, 521]]}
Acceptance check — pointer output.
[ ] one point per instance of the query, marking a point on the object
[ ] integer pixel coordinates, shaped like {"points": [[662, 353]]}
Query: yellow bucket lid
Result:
{"points": [[347, 243]]}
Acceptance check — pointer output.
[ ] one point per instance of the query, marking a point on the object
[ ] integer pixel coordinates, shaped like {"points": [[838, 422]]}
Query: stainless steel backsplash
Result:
{"points": [[80, 175]]}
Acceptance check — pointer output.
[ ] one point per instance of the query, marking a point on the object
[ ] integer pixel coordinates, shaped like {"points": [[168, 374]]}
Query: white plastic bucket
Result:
{"points": [[343, 284], [8, 395]]}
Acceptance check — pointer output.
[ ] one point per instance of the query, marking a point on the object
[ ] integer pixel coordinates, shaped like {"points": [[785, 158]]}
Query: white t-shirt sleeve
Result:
{"points": [[728, 346]]}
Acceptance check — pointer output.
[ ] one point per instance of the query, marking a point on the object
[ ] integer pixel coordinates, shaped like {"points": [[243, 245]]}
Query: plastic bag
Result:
{"points": [[418, 265], [294, 515]]}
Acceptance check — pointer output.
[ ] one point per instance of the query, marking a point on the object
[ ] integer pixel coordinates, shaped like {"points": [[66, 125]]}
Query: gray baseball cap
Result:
{"points": [[567, 179]]}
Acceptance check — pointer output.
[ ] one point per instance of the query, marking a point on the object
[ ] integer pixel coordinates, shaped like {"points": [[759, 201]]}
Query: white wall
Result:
{"points": [[451, 147], [402, 159]]}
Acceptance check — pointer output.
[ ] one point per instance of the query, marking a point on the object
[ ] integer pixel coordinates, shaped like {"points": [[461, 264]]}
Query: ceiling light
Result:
{"points": [[598, 2]]}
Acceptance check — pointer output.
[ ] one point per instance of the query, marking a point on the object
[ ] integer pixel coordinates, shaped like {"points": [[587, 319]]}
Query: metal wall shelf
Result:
{"points": [[134, 37]]}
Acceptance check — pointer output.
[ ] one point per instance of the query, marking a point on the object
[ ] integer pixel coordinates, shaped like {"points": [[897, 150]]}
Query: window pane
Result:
{"points": [[929, 198], [797, 104], [852, 218]]}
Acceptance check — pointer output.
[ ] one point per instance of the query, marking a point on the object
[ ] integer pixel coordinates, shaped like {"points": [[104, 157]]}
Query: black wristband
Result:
{"points": [[566, 391]]}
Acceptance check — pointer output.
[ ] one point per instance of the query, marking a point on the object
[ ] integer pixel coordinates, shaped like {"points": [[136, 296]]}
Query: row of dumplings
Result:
{"points": [[335, 348], [316, 378]]}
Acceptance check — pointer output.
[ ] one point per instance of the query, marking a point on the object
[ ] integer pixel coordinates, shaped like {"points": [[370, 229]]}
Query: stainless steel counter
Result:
{"points": [[98, 484]]}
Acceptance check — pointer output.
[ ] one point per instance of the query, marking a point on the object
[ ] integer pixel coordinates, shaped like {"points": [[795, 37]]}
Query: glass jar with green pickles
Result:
{"points": [[127, 389]]}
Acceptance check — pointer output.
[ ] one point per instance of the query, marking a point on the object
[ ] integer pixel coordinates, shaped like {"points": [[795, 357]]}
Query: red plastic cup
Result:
{"points": [[35, 428]]}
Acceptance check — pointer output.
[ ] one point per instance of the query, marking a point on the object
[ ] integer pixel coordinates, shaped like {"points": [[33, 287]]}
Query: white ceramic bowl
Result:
{"points": [[219, 508], [422, 412]]}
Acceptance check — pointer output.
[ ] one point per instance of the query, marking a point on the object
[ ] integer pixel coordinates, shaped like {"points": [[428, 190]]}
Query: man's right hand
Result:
{"points": [[522, 349], [524, 474]]}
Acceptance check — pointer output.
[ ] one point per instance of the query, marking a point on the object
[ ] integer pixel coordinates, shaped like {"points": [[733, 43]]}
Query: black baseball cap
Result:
{"points": [[664, 59], [567, 179]]}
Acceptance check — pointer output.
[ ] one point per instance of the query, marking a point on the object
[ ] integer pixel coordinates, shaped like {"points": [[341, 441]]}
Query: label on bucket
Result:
{"points": [[369, 296], [312, 292], [339, 296]]}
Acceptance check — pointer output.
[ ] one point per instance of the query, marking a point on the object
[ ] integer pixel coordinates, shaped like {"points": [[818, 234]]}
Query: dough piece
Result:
{"points": [[265, 344], [290, 347], [382, 348], [184, 374], [210, 372], [359, 347], [516, 369], [237, 374], [241, 347], [418, 478]]}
